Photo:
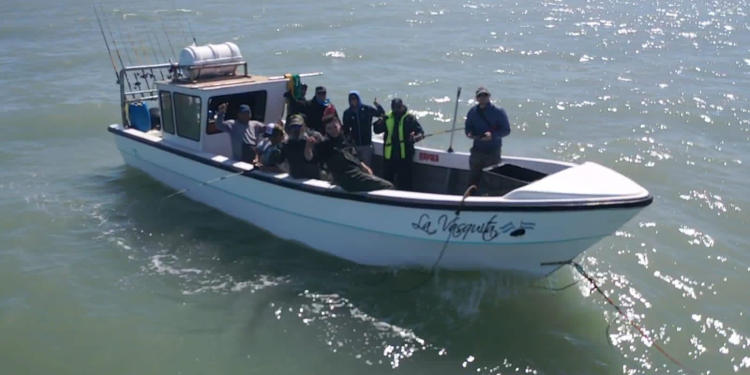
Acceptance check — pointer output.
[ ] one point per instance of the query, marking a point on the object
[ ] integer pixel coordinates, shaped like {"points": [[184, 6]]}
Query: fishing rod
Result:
{"points": [[169, 41], [455, 113], [156, 57], [189, 26], [442, 132], [117, 51], [106, 43]]}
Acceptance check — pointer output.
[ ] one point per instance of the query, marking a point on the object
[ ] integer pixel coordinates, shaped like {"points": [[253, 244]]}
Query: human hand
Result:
{"points": [[487, 136], [365, 168]]}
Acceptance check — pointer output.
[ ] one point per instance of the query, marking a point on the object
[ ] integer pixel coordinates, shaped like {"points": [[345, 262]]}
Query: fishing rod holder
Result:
{"points": [[138, 84]]}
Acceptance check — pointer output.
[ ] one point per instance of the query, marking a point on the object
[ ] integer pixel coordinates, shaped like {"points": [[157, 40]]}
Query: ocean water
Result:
{"points": [[99, 273]]}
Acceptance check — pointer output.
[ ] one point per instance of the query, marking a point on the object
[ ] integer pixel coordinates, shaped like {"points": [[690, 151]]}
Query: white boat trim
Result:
{"points": [[396, 197]]}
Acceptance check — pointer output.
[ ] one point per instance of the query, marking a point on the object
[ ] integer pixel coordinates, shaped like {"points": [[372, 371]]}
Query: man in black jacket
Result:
{"points": [[401, 130], [296, 107], [296, 148], [358, 125], [312, 109], [347, 170]]}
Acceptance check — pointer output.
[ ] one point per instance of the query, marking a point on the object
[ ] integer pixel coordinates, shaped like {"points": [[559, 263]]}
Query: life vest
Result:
{"points": [[389, 123]]}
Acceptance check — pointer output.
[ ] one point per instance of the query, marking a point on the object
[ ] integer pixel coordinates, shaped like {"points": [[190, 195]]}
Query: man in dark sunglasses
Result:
{"points": [[312, 109]]}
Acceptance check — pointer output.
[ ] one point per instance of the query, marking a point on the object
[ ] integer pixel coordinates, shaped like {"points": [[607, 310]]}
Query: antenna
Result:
{"points": [[455, 113]]}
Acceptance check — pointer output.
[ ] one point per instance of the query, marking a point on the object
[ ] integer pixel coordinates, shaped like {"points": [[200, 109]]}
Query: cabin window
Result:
{"points": [[167, 116], [187, 109], [255, 99]]}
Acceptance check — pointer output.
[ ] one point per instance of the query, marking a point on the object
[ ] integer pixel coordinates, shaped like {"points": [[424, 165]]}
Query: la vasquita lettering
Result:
{"points": [[488, 230]]}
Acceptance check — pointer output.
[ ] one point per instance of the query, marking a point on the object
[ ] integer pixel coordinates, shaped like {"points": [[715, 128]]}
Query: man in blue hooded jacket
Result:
{"points": [[486, 125], [358, 125]]}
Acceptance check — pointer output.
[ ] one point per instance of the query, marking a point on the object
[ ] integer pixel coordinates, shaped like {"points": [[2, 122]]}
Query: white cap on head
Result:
{"points": [[269, 129]]}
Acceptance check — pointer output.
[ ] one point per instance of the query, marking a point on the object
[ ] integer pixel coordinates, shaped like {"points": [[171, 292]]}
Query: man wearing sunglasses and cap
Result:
{"points": [[312, 109], [486, 125]]}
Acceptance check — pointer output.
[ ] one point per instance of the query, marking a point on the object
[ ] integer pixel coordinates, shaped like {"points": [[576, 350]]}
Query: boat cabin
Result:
{"points": [[184, 106], [188, 109]]}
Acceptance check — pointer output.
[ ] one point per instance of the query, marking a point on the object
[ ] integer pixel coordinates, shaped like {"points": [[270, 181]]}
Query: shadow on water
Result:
{"points": [[488, 317]]}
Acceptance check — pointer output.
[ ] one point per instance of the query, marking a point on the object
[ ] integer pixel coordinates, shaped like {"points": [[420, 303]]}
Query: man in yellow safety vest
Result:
{"points": [[401, 130]]}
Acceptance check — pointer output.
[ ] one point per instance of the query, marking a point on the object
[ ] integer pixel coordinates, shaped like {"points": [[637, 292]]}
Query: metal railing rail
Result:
{"points": [[140, 76]]}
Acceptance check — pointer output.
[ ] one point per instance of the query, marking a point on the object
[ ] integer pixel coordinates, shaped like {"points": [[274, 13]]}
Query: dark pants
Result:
{"points": [[364, 153], [479, 160], [361, 181], [398, 171]]}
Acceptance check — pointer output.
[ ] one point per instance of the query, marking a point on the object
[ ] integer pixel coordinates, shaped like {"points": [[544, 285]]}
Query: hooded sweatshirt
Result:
{"points": [[312, 109], [358, 121]]}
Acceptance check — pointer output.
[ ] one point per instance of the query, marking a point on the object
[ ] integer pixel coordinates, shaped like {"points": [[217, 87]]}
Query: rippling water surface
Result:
{"points": [[99, 273]]}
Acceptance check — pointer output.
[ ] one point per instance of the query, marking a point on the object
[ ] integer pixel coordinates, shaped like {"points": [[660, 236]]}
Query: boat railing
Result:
{"points": [[138, 84]]}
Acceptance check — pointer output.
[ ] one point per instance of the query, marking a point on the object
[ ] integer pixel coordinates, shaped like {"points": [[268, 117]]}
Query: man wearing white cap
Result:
{"points": [[486, 125], [270, 147]]}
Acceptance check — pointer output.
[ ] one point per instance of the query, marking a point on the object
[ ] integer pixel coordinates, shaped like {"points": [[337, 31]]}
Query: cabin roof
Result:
{"points": [[221, 82]]}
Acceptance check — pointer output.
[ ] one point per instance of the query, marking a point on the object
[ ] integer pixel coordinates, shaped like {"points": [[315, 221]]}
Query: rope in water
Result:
{"points": [[447, 241], [468, 191], [619, 310]]}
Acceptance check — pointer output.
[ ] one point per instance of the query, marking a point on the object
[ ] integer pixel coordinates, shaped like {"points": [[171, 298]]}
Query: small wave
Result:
{"points": [[336, 54]]}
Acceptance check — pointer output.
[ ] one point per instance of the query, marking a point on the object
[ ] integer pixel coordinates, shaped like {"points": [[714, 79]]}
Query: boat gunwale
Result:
{"points": [[409, 202]]}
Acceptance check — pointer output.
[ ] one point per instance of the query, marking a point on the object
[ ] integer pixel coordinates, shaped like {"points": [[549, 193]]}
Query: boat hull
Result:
{"points": [[385, 235]]}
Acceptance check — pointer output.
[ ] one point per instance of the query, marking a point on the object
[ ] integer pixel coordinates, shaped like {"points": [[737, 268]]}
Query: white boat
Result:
{"points": [[543, 211]]}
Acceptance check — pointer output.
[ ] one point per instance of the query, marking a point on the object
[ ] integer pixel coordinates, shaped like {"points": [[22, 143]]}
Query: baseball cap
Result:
{"points": [[269, 129], [482, 91], [244, 108], [295, 120], [396, 103]]}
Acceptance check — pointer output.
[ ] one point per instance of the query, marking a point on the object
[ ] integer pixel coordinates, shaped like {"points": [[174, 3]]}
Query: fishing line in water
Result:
{"points": [[434, 268], [641, 331], [202, 183]]}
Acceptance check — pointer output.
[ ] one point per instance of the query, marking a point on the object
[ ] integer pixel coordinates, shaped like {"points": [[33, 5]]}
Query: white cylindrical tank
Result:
{"points": [[194, 60]]}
